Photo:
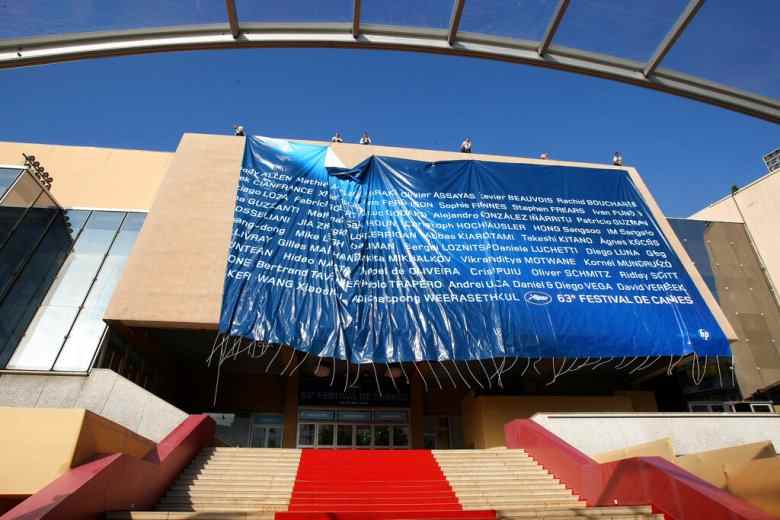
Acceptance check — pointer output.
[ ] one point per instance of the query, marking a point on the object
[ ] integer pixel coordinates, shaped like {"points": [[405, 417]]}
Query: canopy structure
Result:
{"points": [[721, 53]]}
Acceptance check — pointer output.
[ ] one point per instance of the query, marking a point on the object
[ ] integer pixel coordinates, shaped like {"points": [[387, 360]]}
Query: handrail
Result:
{"points": [[636, 481], [118, 482]]}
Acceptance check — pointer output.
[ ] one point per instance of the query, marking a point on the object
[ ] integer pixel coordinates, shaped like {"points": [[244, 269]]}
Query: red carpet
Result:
{"points": [[373, 484]]}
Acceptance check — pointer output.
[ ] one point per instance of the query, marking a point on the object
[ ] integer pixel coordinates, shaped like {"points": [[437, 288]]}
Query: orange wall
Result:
{"points": [[484, 417], [38, 445], [88, 177]]}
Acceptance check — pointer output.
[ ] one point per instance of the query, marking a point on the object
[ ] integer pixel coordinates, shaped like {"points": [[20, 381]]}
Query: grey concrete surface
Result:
{"points": [[103, 392], [594, 433]]}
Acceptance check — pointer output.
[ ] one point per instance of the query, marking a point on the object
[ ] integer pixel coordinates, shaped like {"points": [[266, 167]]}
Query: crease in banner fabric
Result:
{"points": [[398, 260]]}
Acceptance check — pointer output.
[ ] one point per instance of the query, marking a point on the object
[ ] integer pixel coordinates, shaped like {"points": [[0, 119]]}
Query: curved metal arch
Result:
{"points": [[36, 51]]}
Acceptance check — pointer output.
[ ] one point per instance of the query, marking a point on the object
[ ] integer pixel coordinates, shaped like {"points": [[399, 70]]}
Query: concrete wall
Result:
{"points": [[102, 392], [484, 416], [88, 177], [758, 206], [174, 277], [39, 444], [594, 433]]}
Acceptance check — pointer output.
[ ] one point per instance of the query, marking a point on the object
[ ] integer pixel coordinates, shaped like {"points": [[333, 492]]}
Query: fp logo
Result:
{"points": [[704, 334], [537, 297]]}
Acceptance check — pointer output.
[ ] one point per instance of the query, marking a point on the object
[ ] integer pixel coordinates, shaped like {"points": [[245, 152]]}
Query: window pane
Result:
{"points": [[98, 232], [106, 282], [430, 13], [46, 17], [521, 20], [381, 436], [82, 342], [29, 290], [306, 435], [345, 435], [400, 436], [71, 286], [630, 29], [123, 244], [24, 238], [43, 339], [274, 437], [324, 435], [76, 218], [7, 178], [363, 435], [294, 11]]}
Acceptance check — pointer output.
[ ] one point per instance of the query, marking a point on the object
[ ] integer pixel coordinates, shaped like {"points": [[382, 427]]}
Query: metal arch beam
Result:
{"points": [[355, 18], [552, 27], [457, 13], [232, 15], [671, 37], [38, 51]]}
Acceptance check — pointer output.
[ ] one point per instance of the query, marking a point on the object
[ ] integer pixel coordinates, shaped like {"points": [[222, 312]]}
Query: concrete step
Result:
{"points": [[221, 458], [600, 513], [242, 465], [510, 502], [230, 486], [223, 508], [198, 494], [490, 494], [494, 475], [238, 473], [191, 515]]}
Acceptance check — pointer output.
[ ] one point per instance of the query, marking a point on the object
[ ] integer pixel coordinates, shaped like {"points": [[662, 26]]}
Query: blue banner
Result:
{"points": [[398, 260]]}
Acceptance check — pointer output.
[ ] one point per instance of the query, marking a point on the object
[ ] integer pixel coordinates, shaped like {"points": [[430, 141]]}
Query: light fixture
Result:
{"points": [[393, 372]]}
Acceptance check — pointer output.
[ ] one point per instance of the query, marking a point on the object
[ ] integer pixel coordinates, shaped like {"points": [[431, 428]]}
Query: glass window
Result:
{"points": [[43, 339], [294, 11], [7, 178], [324, 435], [317, 415], [306, 434], [430, 13], [28, 291], [22, 239], [273, 437], [82, 342], [401, 436], [381, 436], [762, 408], [363, 435], [98, 233], [75, 219], [344, 435]]}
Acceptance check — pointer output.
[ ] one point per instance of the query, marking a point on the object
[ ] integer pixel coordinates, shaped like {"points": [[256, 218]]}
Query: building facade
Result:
{"points": [[121, 266]]}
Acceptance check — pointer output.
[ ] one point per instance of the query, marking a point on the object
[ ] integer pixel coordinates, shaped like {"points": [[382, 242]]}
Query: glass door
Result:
{"points": [[266, 431]]}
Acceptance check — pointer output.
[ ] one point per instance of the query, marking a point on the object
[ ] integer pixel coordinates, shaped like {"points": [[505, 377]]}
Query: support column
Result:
{"points": [[416, 410], [291, 411]]}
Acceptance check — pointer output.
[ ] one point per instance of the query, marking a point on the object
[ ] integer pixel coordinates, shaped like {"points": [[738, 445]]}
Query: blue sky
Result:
{"points": [[689, 153]]}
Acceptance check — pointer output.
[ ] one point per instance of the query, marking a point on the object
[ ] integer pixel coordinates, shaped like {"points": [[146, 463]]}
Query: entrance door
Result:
{"points": [[339, 428], [266, 431]]}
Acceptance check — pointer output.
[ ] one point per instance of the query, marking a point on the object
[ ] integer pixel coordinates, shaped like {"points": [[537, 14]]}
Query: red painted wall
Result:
{"points": [[636, 481], [118, 482]]}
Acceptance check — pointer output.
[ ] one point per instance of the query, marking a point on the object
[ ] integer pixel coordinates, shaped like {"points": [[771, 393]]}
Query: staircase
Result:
{"points": [[513, 484], [228, 483], [373, 484], [309, 484]]}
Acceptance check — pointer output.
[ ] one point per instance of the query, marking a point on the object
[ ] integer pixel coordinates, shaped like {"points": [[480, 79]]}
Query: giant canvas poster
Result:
{"points": [[397, 260]]}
